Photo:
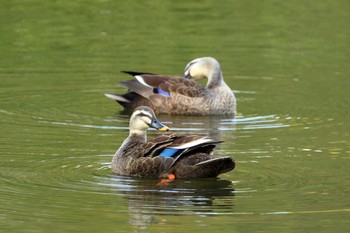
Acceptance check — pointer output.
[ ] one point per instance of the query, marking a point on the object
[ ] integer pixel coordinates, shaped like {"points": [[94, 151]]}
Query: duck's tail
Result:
{"points": [[117, 97], [206, 169], [130, 100]]}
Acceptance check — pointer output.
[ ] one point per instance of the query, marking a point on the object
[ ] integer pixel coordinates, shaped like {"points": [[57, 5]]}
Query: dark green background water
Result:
{"points": [[287, 62]]}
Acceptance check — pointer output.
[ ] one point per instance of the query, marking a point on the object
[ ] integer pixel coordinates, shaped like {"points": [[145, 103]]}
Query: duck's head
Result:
{"points": [[204, 67], [143, 118]]}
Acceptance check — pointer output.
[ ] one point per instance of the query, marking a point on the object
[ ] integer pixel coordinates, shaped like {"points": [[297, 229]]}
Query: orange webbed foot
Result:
{"points": [[170, 178]]}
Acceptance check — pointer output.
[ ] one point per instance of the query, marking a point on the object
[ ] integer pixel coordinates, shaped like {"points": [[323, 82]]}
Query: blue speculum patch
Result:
{"points": [[168, 152], [161, 92]]}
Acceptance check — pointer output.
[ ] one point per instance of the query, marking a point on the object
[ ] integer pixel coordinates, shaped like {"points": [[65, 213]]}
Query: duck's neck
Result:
{"points": [[138, 135], [215, 79], [132, 139]]}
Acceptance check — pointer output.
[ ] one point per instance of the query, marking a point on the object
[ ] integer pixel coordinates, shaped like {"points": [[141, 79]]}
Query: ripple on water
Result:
{"points": [[190, 123], [90, 172], [73, 173]]}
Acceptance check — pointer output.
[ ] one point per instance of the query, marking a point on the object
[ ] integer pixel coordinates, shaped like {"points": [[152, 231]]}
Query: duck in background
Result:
{"points": [[180, 95]]}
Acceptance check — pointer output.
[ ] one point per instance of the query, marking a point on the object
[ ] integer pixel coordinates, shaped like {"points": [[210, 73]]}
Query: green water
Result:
{"points": [[287, 62]]}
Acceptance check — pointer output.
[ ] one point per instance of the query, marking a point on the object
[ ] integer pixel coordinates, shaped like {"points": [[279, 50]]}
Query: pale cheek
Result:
{"points": [[147, 120], [197, 73], [140, 125]]}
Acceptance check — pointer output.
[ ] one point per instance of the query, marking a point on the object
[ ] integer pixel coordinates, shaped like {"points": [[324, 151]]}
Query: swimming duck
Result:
{"points": [[176, 155], [180, 95]]}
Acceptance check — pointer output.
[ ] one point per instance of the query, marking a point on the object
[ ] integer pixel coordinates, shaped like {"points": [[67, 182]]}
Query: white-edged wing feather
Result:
{"points": [[193, 143]]}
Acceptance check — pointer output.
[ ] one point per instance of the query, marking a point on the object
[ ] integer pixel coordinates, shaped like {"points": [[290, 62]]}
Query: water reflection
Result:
{"points": [[212, 125], [218, 126], [147, 202], [208, 125]]}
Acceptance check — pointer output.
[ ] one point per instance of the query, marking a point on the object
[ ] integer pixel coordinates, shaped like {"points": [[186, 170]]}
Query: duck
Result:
{"points": [[168, 155], [175, 95]]}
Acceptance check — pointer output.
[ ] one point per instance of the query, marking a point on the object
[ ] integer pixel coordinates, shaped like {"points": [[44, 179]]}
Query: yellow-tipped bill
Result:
{"points": [[164, 128], [158, 125]]}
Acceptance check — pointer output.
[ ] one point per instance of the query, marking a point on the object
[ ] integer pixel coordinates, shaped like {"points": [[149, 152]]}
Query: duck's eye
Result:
{"points": [[187, 75]]}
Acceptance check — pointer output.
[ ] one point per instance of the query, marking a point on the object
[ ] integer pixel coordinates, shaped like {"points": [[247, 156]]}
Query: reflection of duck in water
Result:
{"points": [[181, 155], [149, 204], [184, 96], [213, 126]]}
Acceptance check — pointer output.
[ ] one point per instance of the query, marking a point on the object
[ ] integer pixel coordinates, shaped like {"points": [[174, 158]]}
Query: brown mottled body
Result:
{"points": [[142, 158], [176, 95]]}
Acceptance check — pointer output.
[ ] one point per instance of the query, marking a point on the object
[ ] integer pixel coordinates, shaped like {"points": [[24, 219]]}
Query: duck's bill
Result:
{"points": [[187, 75], [164, 128], [159, 126]]}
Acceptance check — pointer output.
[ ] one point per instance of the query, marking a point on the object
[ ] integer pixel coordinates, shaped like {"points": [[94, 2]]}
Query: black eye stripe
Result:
{"points": [[141, 114], [189, 65]]}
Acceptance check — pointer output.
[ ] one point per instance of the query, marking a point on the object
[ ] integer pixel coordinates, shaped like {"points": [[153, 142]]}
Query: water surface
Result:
{"points": [[286, 62]]}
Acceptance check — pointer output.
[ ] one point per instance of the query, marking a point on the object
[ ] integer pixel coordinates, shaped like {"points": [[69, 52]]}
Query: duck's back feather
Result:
{"points": [[177, 146], [149, 84]]}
